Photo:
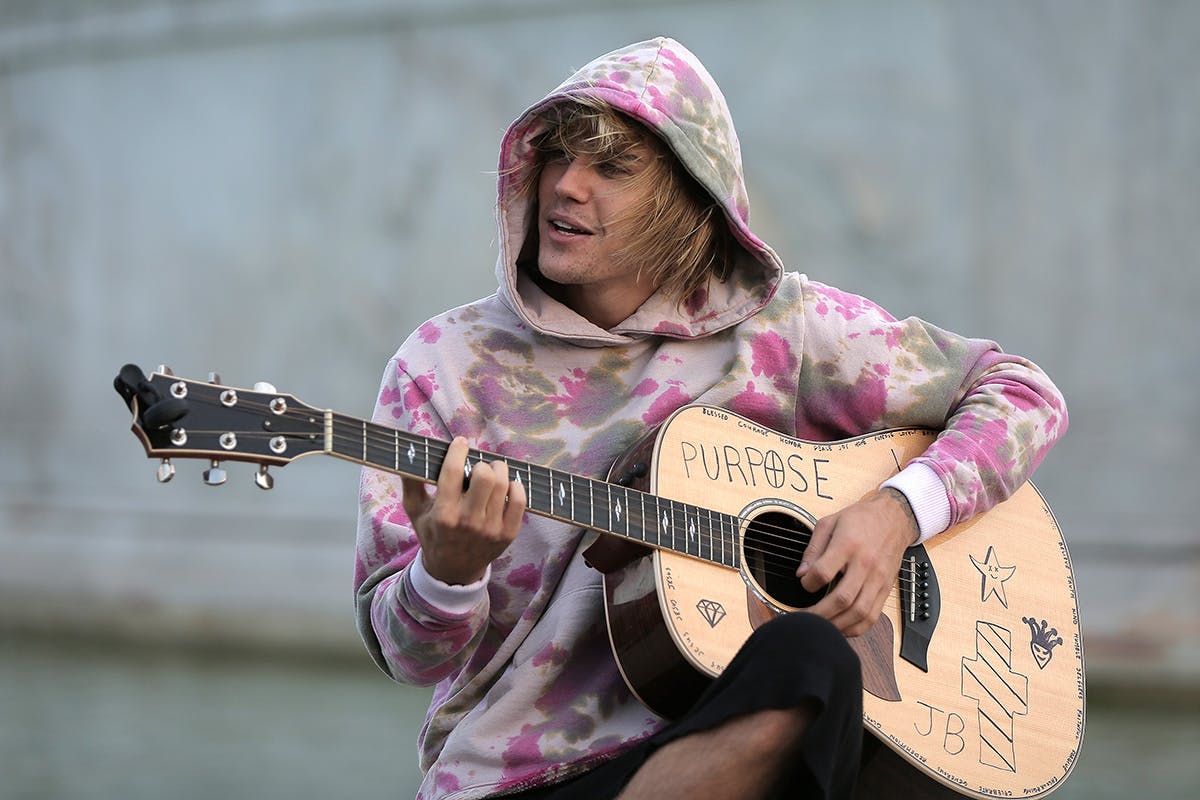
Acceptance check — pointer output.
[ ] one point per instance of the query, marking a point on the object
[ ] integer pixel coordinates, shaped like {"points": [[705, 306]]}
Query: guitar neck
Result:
{"points": [[599, 505]]}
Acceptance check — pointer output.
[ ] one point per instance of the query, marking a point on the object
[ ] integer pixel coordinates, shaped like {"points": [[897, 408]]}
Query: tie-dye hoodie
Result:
{"points": [[526, 690]]}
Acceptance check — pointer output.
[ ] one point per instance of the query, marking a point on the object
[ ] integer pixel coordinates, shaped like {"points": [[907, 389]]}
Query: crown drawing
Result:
{"points": [[1042, 641]]}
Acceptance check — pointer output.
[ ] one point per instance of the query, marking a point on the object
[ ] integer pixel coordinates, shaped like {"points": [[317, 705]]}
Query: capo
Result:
{"points": [[155, 412]]}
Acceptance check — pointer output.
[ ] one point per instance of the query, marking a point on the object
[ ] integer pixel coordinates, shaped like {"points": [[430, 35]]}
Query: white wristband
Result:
{"points": [[927, 496], [445, 597]]}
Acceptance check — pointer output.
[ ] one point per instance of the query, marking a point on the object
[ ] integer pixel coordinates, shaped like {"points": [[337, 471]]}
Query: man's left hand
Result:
{"points": [[861, 546]]}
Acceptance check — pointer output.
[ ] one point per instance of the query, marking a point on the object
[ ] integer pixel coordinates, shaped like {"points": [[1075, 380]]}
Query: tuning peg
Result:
{"points": [[214, 475], [166, 471], [165, 370], [214, 377], [265, 388], [264, 479]]}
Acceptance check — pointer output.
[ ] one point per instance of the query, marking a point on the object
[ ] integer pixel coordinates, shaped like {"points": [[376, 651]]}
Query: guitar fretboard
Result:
{"points": [[599, 505]]}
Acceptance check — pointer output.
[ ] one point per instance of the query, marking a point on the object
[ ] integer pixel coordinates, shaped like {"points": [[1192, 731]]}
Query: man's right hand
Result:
{"points": [[462, 531]]}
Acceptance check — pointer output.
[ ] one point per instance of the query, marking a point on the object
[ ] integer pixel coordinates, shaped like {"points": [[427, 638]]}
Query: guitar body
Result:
{"points": [[993, 706]]}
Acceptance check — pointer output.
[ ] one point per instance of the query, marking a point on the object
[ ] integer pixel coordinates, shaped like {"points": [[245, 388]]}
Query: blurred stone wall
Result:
{"points": [[283, 191]]}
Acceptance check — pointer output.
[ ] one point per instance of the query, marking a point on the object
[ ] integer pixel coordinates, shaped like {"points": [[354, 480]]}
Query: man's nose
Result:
{"points": [[575, 181]]}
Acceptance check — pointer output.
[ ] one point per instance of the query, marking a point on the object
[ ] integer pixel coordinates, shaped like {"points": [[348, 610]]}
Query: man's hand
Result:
{"points": [[461, 532], [862, 546]]}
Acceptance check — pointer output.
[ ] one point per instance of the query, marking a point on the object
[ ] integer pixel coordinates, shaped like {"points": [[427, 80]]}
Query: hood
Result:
{"points": [[664, 86]]}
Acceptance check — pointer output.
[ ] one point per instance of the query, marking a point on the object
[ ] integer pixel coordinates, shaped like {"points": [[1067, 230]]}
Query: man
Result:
{"points": [[630, 285]]}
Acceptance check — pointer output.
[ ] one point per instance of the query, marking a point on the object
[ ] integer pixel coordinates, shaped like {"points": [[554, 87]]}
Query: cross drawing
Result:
{"points": [[998, 692]]}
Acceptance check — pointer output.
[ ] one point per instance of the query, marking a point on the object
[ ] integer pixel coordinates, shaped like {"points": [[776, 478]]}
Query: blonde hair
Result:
{"points": [[682, 236]]}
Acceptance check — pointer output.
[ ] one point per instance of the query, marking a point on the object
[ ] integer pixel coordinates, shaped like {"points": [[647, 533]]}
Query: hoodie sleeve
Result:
{"points": [[412, 639], [863, 370]]}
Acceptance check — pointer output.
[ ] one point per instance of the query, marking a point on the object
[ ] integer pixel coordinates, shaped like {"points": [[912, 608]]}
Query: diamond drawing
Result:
{"points": [[712, 611]]}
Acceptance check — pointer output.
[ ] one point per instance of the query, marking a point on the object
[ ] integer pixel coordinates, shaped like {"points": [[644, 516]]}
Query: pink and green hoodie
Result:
{"points": [[525, 689]]}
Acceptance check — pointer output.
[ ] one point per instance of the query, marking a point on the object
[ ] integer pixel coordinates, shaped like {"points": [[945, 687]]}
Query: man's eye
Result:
{"points": [[615, 169]]}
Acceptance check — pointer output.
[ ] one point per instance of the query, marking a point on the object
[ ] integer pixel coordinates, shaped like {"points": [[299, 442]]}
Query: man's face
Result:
{"points": [[584, 219]]}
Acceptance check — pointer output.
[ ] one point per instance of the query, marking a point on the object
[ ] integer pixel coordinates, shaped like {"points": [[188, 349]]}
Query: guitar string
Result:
{"points": [[783, 546], [785, 537], [438, 449], [784, 534]]}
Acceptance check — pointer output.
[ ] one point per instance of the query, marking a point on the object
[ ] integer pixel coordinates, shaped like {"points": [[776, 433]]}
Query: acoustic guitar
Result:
{"points": [[973, 674]]}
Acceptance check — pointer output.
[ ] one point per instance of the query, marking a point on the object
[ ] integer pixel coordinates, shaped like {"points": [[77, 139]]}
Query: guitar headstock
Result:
{"points": [[180, 418]]}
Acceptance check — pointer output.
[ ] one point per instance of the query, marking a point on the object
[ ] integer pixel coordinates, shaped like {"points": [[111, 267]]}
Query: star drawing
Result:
{"points": [[994, 576]]}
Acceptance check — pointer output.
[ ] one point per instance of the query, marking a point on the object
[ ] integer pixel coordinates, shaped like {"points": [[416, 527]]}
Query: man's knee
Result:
{"points": [[807, 638]]}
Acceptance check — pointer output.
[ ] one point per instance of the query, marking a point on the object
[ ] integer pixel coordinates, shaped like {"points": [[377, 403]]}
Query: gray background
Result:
{"points": [[282, 191]]}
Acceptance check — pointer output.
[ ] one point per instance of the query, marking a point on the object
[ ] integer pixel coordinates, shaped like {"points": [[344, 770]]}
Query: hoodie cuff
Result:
{"points": [[927, 496], [453, 599]]}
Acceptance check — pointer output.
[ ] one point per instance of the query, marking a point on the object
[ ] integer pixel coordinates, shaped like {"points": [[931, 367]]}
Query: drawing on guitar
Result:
{"points": [[1000, 694], [1042, 641], [994, 576], [712, 611], [702, 526]]}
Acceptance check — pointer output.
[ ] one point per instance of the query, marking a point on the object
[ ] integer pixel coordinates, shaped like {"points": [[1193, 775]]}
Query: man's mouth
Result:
{"points": [[567, 228]]}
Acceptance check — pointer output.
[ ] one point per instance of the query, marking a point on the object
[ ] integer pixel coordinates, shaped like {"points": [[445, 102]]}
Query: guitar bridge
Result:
{"points": [[920, 604]]}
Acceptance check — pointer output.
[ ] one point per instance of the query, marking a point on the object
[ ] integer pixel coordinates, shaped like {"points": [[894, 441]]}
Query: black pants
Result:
{"points": [[792, 661]]}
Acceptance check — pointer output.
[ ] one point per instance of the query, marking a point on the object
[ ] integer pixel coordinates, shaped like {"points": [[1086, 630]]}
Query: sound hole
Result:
{"points": [[772, 548]]}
